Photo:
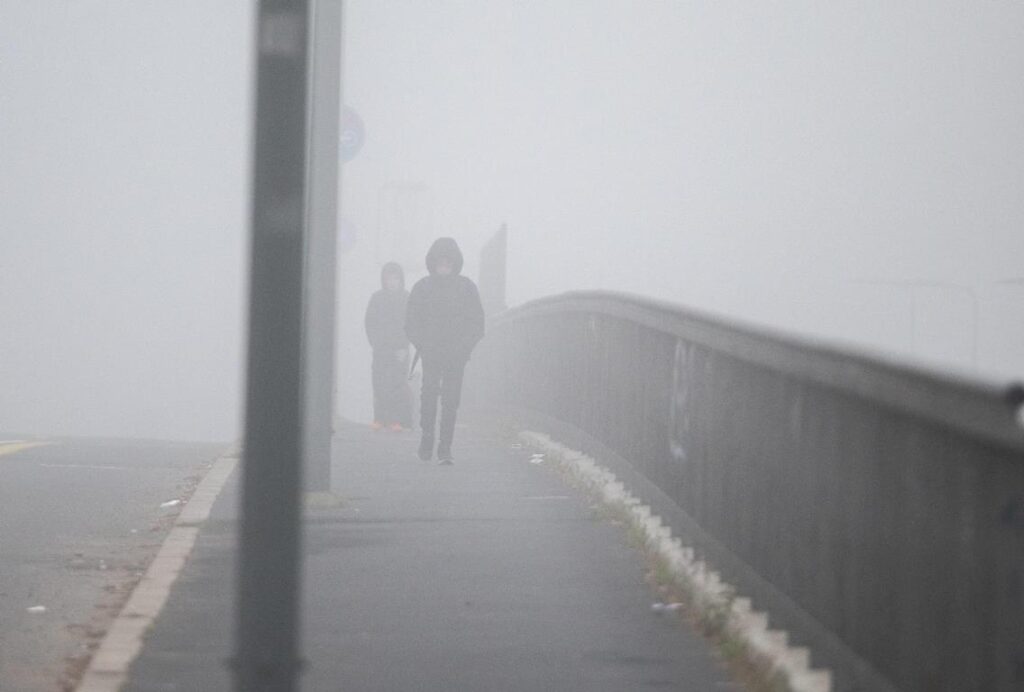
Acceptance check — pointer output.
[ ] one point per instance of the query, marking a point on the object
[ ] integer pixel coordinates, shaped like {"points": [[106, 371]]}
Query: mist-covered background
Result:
{"points": [[851, 171], [123, 146]]}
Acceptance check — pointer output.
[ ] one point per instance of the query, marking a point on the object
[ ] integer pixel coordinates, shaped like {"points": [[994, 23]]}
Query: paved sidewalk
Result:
{"points": [[489, 575]]}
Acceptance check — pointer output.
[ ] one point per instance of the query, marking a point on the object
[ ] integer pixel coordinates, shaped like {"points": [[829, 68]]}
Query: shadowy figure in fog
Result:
{"points": [[385, 319], [444, 321]]}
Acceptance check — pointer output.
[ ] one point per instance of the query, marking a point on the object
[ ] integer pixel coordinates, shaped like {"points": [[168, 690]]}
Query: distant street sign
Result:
{"points": [[352, 134]]}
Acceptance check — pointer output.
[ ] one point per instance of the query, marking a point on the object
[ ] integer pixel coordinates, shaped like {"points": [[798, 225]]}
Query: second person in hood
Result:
{"points": [[444, 321], [385, 319]]}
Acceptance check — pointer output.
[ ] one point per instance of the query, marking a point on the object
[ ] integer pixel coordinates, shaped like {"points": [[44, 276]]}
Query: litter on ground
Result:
{"points": [[665, 607]]}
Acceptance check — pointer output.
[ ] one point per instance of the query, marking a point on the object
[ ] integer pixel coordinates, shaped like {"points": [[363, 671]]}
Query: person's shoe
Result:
{"points": [[376, 425], [444, 457], [426, 451], [395, 427]]}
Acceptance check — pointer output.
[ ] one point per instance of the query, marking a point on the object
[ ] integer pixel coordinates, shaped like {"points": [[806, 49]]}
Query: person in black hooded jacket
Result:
{"points": [[444, 321], [385, 317]]}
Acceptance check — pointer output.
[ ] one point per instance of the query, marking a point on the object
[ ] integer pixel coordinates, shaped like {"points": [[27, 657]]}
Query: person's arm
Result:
{"points": [[414, 316], [372, 321]]}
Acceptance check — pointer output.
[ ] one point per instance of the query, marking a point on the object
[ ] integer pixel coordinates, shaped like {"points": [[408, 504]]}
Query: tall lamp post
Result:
{"points": [[321, 244]]}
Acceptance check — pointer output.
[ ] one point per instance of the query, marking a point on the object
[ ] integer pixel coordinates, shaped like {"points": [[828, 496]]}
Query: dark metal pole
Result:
{"points": [[321, 244], [266, 656]]}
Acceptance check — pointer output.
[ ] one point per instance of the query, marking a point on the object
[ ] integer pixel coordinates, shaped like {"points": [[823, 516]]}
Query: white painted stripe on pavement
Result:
{"points": [[108, 669], [13, 446], [91, 467]]}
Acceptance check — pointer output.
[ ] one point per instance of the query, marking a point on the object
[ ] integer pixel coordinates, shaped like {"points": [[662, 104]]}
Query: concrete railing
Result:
{"points": [[874, 509]]}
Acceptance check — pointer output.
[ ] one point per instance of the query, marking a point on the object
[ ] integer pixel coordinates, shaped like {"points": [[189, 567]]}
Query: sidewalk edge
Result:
{"points": [[713, 598], [108, 669]]}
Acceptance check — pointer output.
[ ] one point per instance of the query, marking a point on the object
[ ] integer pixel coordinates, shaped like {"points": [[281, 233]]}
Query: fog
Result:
{"points": [[124, 132], [849, 171]]}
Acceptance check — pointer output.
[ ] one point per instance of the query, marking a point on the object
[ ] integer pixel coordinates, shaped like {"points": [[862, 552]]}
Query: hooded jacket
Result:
{"points": [[385, 315], [445, 318]]}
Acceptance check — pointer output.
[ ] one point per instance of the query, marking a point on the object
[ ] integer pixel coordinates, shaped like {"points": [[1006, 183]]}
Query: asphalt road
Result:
{"points": [[79, 522]]}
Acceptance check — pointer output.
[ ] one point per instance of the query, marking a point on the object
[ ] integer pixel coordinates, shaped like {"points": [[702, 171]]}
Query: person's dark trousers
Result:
{"points": [[391, 397], [441, 379]]}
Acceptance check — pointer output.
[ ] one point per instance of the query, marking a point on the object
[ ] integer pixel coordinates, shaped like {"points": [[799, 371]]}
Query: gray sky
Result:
{"points": [[123, 128], [785, 163]]}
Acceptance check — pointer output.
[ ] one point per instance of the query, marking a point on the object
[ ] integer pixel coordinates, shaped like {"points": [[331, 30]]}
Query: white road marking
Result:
{"points": [[92, 467], [108, 669], [13, 446]]}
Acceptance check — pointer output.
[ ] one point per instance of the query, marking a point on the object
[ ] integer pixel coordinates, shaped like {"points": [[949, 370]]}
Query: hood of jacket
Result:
{"points": [[448, 249], [392, 269]]}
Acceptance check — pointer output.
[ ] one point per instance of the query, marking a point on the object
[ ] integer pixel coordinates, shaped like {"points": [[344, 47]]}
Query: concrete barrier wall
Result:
{"points": [[875, 510]]}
